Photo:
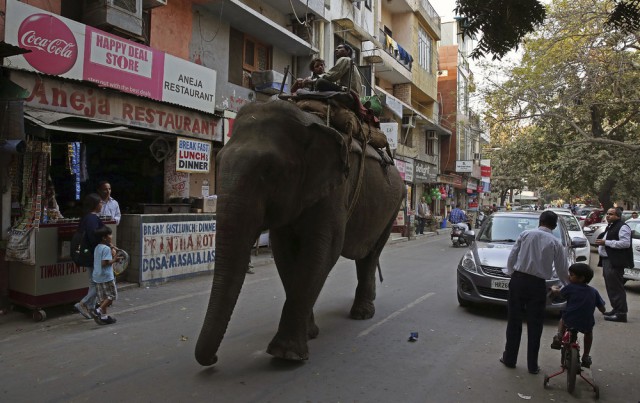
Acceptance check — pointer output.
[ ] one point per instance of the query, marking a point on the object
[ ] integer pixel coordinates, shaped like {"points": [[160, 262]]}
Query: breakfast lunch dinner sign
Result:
{"points": [[68, 49]]}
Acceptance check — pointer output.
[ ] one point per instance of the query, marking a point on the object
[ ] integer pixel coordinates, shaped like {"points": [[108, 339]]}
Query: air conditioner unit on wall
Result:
{"points": [[147, 4], [432, 135], [122, 15], [409, 121]]}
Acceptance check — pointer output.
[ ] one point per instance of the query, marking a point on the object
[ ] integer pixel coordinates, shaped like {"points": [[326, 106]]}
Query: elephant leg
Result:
{"points": [[363, 307], [304, 258]]}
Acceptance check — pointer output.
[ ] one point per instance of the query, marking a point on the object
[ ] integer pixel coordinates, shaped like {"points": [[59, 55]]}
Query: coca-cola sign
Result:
{"points": [[53, 47]]}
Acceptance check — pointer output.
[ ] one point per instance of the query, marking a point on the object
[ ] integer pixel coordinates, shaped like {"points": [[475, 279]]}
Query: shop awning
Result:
{"points": [[51, 121], [249, 21]]}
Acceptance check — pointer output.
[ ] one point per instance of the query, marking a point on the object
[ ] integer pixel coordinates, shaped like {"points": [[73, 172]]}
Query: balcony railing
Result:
{"points": [[431, 15], [396, 51]]}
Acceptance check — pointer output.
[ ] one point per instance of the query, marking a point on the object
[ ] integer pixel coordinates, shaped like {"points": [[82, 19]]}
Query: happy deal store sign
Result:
{"points": [[68, 49]]}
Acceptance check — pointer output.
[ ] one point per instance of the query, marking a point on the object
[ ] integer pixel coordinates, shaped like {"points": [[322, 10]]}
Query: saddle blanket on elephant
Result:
{"points": [[345, 120]]}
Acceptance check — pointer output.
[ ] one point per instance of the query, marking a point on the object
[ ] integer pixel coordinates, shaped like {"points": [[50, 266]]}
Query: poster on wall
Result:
{"points": [[176, 184], [193, 156], [172, 249]]}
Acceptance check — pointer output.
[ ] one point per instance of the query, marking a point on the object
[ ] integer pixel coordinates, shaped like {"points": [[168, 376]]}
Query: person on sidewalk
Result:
{"points": [[582, 301], [421, 216], [616, 253], [90, 223], [110, 206], [103, 276], [530, 263]]}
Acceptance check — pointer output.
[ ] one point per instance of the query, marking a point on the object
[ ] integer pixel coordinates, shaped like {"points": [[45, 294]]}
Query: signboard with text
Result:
{"points": [[176, 248], [66, 48], [193, 156], [464, 166]]}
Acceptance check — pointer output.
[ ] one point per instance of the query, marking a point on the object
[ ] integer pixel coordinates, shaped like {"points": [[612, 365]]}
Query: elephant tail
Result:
{"points": [[380, 271]]}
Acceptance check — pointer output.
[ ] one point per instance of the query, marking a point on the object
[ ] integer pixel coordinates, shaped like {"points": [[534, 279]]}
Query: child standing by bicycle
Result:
{"points": [[582, 300]]}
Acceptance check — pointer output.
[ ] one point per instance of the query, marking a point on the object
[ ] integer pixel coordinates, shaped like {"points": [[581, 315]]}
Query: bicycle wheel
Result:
{"points": [[573, 367]]}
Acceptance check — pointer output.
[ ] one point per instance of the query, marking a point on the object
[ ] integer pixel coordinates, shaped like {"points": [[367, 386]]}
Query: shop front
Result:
{"points": [[151, 133], [426, 183], [404, 223]]}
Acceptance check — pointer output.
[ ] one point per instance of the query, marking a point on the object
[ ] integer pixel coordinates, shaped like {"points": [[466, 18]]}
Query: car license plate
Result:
{"points": [[632, 273], [500, 284]]}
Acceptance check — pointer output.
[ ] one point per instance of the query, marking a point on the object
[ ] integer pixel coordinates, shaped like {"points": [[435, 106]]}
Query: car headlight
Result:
{"points": [[468, 262]]}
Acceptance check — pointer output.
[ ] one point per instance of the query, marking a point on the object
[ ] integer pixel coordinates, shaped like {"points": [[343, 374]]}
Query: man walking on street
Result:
{"points": [[421, 216], [614, 248], [530, 264]]}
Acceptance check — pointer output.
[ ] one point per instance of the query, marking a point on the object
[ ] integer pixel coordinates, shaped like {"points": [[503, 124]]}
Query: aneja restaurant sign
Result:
{"points": [[56, 95], [68, 49]]}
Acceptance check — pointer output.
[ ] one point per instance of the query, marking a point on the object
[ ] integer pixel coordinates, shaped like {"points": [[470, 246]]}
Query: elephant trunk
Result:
{"points": [[236, 231]]}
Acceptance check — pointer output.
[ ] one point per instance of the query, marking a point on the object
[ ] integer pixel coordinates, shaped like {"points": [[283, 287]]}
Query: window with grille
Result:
{"points": [[429, 147], [424, 50]]}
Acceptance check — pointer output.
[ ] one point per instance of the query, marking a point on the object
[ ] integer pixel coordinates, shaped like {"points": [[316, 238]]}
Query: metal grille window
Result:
{"points": [[424, 50]]}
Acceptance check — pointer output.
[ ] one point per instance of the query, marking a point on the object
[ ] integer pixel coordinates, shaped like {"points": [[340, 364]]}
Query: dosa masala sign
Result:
{"points": [[193, 155]]}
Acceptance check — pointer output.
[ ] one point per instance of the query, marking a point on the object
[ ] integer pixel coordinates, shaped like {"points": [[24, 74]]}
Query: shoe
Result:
{"points": [[617, 317], [586, 361], [505, 364], [535, 371], [82, 310], [609, 313], [557, 343], [109, 320], [96, 317]]}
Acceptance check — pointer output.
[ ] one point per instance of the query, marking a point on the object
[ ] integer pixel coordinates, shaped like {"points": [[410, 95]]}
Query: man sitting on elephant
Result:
{"points": [[344, 74]]}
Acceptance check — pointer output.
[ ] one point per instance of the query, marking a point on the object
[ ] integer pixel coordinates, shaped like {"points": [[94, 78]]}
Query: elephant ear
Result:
{"points": [[326, 162]]}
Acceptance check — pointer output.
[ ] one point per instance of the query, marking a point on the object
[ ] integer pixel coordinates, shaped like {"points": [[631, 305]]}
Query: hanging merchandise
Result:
{"points": [[21, 245], [73, 161]]}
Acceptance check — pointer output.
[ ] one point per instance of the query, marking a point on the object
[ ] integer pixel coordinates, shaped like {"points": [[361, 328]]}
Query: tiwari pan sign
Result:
{"points": [[193, 155]]}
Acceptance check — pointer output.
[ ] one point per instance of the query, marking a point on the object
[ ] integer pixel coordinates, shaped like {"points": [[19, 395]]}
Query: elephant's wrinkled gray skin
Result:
{"points": [[283, 170]]}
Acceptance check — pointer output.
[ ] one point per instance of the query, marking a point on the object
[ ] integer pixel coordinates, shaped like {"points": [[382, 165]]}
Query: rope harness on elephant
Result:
{"points": [[345, 113]]}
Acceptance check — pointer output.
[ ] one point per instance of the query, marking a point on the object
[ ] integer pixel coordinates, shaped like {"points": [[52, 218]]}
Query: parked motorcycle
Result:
{"points": [[457, 234], [480, 219]]}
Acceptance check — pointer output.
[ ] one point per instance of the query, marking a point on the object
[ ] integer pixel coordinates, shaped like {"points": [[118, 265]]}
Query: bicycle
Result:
{"points": [[570, 362]]}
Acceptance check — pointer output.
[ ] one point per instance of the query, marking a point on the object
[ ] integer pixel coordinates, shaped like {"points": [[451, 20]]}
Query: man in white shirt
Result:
{"points": [[110, 207], [530, 264], [616, 253]]}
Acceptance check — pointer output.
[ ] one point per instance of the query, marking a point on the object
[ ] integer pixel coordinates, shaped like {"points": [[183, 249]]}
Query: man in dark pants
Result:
{"points": [[614, 248], [530, 264]]}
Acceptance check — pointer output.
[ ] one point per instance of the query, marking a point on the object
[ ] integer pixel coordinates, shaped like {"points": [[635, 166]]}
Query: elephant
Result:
{"points": [[285, 170]]}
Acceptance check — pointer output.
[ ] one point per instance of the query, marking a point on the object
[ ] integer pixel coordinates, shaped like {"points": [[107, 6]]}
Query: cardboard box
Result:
{"points": [[207, 205]]}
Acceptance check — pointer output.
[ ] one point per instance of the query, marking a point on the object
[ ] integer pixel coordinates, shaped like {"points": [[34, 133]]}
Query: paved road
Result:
{"points": [[148, 355]]}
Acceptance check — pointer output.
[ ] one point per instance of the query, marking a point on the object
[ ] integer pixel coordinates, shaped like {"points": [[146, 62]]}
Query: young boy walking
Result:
{"points": [[103, 276], [582, 301]]}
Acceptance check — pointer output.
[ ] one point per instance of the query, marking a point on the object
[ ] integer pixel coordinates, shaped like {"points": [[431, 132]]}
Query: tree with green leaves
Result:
{"points": [[501, 25], [571, 107]]}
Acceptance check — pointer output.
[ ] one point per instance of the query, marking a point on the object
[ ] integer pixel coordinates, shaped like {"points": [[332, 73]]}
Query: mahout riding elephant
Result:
{"points": [[284, 170]]}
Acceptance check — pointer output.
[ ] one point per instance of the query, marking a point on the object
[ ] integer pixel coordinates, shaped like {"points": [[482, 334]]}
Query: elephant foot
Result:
{"points": [[313, 330], [206, 361], [362, 310], [287, 350]]}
